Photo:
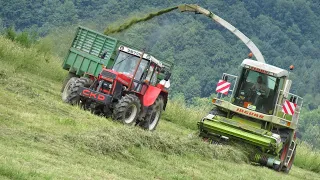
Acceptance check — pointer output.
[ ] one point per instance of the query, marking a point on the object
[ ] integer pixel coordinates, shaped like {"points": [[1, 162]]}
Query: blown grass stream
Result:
{"points": [[130, 22]]}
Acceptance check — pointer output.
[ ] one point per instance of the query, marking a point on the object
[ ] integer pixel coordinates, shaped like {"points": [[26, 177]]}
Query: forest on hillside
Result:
{"points": [[285, 31]]}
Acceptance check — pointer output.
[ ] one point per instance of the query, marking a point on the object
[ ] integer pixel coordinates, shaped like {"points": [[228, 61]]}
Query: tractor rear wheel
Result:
{"points": [[127, 109], [67, 88], [153, 115], [73, 97]]}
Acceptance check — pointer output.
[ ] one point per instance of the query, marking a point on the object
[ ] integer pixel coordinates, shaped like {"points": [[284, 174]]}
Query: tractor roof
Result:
{"points": [[264, 68], [138, 53]]}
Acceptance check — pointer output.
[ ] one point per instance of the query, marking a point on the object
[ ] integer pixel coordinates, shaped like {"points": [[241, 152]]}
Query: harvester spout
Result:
{"points": [[199, 10]]}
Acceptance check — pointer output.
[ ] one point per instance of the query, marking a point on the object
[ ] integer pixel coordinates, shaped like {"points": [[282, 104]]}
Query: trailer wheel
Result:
{"points": [[73, 97], [153, 115], [127, 109], [67, 88], [66, 80]]}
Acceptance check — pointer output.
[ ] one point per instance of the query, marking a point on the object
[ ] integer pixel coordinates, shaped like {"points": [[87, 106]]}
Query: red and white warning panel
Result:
{"points": [[289, 107], [223, 87]]}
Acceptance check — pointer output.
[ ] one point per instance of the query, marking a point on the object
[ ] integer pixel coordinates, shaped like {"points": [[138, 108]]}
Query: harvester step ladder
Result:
{"points": [[290, 153]]}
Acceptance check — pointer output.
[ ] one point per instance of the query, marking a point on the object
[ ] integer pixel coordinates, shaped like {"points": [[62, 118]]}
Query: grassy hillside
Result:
{"points": [[43, 138]]}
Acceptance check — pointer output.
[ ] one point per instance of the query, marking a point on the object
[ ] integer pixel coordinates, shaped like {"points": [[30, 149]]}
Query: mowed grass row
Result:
{"points": [[41, 135], [43, 138]]}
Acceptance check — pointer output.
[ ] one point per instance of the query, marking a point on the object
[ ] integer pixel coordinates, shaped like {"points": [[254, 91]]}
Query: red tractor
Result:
{"points": [[129, 92]]}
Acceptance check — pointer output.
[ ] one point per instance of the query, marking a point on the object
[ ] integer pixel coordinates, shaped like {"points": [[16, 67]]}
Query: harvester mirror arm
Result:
{"points": [[199, 10]]}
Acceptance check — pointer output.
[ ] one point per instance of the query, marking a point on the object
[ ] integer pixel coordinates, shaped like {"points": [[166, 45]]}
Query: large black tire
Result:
{"points": [[288, 168], [73, 97], [282, 157], [153, 115], [67, 88], [127, 109], [66, 80]]}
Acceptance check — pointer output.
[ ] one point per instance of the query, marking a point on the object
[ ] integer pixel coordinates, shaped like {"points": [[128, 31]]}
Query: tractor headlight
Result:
{"points": [[107, 85]]}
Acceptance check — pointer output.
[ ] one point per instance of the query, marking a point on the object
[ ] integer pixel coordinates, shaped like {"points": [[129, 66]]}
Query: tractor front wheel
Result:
{"points": [[127, 109], [67, 88], [153, 115], [66, 80], [73, 96]]}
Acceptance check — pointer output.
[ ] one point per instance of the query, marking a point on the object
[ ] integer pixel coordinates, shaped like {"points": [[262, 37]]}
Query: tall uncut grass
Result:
{"points": [[177, 112], [307, 157], [30, 60]]}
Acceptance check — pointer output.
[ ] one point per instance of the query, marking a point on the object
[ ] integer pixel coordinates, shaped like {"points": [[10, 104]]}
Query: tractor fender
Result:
{"points": [[151, 95], [164, 95]]}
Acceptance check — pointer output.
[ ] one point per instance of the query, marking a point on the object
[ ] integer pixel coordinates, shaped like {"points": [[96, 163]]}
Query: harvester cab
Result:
{"points": [[258, 109], [258, 85]]}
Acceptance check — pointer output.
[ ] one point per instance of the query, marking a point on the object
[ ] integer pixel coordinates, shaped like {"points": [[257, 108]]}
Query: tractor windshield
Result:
{"points": [[257, 91], [126, 64]]}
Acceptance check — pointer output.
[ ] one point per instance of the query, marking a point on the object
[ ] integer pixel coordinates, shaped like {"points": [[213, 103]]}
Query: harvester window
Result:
{"points": [[256, 91]]}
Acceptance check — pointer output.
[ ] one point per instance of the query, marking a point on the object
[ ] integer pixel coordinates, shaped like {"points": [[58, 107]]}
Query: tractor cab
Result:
{"points": [[258, 86], [133, 71]]}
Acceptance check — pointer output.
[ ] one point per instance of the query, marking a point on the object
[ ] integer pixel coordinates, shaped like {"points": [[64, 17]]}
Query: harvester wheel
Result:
{"points": [[283, 154], [282, 157], [153, 115], [127, 109], [66, 80], [67, 88], [73, 97], [288, 168]]}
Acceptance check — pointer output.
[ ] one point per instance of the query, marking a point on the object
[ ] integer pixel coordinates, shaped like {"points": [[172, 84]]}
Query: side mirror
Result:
{"points": [[162, 70], [225, 77], [103, 55], [167, 77]]}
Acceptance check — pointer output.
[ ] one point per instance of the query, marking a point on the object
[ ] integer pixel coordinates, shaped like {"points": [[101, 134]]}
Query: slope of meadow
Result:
{"points": [[43, 138]]}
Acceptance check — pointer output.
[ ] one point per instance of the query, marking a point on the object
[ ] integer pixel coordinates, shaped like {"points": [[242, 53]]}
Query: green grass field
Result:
{"points": [[43, 138]]}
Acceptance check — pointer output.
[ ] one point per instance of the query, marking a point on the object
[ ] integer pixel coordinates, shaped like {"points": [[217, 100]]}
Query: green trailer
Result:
{"points": [[91, 50], [85, 53]]}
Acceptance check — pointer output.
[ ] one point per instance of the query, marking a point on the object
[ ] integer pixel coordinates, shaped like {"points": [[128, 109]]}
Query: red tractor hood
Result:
{"points": [[125, 79]]}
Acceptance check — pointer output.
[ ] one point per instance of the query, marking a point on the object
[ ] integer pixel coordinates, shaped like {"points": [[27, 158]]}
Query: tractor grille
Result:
{"points": [[108, 74], [106, 85]]}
